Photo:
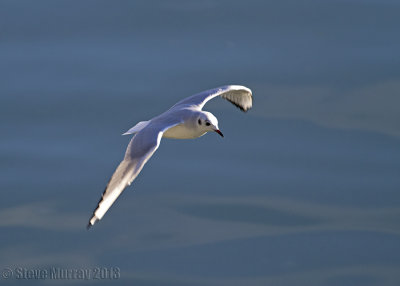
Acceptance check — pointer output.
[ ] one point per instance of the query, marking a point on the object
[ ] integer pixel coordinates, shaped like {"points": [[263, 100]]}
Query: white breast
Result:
{"points": [[181, 131]]}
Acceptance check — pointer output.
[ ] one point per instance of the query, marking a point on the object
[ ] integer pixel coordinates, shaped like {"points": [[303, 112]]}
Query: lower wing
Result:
{"points": [[139, 151]]}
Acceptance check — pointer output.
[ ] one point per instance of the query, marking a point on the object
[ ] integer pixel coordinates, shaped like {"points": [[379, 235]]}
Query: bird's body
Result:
{"points": [[183, 131], [187, 129], [184, 120]]}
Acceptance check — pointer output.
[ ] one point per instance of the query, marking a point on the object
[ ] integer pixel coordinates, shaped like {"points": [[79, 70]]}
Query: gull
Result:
{"points": [[184, 120]]}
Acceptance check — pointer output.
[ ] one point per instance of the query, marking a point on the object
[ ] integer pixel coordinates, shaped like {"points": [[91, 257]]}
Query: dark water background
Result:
{"points": [[303, 190]]}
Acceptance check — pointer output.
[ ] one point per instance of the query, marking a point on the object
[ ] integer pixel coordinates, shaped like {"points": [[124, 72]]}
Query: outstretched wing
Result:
{"points": [[140, 149], [239, 95]]}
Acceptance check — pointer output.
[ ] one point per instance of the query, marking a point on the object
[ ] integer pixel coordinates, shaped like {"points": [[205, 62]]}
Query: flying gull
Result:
{"points": [[184, 120]]}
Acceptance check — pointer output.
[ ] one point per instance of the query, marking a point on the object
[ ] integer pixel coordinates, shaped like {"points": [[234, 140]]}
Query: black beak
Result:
{"points": [[219, 132]]}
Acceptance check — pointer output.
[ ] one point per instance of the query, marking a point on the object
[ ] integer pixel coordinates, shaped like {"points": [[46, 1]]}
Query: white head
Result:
{"points": [[208, 122]]}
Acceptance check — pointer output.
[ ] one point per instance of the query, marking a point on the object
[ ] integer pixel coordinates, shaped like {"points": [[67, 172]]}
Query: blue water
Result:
{"points": [[303, 189]]}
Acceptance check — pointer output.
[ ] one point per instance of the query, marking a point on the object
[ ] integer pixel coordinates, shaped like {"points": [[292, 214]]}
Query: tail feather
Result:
{"points": [[137, 127]]}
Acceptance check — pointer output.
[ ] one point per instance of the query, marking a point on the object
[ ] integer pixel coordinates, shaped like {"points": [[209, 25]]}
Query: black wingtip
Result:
{"points": [[90, 224]]}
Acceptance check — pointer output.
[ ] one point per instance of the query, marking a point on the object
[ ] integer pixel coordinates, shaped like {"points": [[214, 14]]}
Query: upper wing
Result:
{"points": [[140, 149], [239, 95]]}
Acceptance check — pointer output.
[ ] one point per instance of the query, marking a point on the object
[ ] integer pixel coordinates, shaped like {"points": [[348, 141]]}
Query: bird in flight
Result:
{"points": [[184, 120]]}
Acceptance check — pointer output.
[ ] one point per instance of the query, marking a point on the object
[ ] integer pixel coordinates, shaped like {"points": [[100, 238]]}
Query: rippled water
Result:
{"points": [[303, 189]]}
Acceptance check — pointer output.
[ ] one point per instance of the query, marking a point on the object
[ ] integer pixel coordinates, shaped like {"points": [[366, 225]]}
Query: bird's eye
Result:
{"points": [[208, 123], [199, 121]]}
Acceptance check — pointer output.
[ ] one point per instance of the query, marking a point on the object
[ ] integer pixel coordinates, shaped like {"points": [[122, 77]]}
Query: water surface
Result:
{"points": [[303, 189]]}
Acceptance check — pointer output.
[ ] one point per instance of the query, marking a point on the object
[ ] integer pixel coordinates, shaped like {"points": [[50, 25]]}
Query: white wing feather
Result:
{"points": [[238, 95], [140, 149]]}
